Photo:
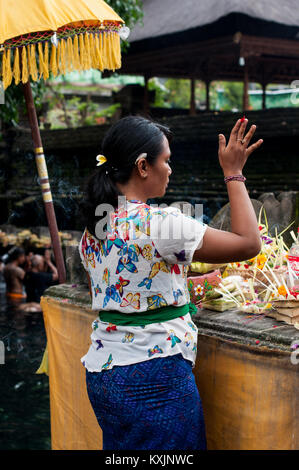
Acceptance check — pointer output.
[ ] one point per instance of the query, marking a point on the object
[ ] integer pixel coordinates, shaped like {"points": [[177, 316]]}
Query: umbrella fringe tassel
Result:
{"points": [[32, 71], [16, 67], [76, 57], [80, 52], [25, 71], [98, 55]]}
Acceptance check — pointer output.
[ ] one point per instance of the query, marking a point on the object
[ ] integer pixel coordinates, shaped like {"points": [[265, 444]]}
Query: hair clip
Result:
{"points": [[142, 155], [101, 159]]}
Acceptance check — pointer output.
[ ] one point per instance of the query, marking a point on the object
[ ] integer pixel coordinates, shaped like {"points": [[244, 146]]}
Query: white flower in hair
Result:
{"points": [[101, 160]]}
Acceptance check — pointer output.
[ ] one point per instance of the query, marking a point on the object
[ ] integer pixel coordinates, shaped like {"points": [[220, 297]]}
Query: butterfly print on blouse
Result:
{"points": [[107, 364], [176, 294], [92, 248], [126, 263], [175, 269], [97, 290], [99, 343], [155, 350], [128, 256], [128, 338], [191, 325], [111, 327], [131, 299], [111, 293], [155, 268], [181, 256], [120, 284], [188, 339], [113, 241], [173, 338], [156, 301]]}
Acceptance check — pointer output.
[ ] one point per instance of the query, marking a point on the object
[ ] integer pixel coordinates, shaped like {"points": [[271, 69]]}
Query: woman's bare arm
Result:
{"points": [[243, 242]]}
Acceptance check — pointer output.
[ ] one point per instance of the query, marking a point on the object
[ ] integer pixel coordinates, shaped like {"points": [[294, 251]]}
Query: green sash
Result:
{"points": [[157, 315]]}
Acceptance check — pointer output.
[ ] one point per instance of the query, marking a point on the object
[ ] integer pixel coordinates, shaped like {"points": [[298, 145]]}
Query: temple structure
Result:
{"points": [[216, 40]]}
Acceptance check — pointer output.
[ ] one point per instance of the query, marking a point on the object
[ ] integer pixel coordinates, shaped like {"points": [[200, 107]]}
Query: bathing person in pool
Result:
{"points": [[14, 273]]}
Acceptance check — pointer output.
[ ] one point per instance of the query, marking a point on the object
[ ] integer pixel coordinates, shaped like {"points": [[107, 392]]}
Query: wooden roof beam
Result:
{"points": [[214, 46], [257, 46]]}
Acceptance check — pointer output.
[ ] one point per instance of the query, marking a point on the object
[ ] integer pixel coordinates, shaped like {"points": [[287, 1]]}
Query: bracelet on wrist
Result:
{"points": [[234, 178]]}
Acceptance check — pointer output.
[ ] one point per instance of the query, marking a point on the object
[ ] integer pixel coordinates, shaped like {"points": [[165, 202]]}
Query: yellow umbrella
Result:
{"points": [[42, 36], [82, 34]]}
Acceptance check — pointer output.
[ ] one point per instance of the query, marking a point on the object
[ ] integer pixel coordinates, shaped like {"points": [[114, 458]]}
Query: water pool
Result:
{"points": [[24, 395]]}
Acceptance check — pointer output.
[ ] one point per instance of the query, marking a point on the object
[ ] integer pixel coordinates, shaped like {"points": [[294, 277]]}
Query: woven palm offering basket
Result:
{"points": [[287, 311], [250, 273]]}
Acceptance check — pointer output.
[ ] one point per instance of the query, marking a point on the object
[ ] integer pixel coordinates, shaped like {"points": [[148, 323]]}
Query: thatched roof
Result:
{"points": [[163, 17], [204, 39]]}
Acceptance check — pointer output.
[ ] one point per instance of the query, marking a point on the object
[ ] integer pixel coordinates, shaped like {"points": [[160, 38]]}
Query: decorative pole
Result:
{"points": [[44, 181]]}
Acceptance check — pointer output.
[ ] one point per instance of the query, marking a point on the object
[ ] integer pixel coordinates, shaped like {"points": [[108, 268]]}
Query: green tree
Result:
{"points": [[130, 11], [179, 92], [161, 93], [15, 102], [233, 95]]}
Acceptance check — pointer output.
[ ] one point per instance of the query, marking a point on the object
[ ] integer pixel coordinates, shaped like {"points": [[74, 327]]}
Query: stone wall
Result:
{"points": [[196, 177]]}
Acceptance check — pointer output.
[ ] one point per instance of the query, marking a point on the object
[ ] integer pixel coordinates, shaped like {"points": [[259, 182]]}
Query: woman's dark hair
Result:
{"points": [[123, 143]]}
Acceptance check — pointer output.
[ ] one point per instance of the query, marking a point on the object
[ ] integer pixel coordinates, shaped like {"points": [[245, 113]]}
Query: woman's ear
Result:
{"points": [[141, 165]]}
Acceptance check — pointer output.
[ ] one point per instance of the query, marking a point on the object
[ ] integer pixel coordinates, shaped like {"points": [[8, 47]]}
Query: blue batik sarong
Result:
{"points": [[151, 405]]}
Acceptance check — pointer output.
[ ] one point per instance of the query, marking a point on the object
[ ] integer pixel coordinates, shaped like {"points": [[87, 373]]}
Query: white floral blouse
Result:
{"points": [[140, 265]]}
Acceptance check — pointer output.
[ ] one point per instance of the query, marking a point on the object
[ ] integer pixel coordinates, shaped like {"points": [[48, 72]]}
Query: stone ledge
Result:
{"points": [[78, 294], [245, 329], [232, 325]]}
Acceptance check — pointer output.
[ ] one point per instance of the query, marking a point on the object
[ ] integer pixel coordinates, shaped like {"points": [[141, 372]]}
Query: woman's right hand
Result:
{"points": [[233, 156]]}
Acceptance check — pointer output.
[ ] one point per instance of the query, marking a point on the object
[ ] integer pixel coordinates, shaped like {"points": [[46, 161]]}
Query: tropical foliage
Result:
{"points": [[129, 10]]}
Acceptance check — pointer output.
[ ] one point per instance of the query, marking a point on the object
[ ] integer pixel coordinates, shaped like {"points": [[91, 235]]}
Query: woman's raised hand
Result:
{"points": [[243, 242], [233, 156]]}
